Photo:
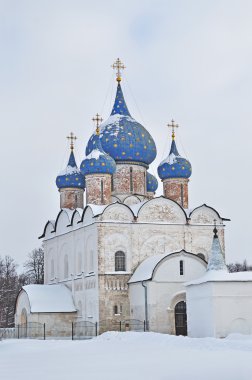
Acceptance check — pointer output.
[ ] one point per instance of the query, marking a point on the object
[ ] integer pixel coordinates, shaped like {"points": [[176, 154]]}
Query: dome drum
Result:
{"points": [[129, 179]]}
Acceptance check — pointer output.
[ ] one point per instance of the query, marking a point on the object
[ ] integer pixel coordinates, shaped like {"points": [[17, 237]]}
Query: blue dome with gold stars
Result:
{"points": [[97, 161], [174, 166], [71, 176], [151, 183], [123, 138]]}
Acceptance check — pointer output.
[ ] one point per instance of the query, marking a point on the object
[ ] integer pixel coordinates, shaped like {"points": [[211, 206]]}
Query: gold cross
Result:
{"points": [[97, 119], [72, 138], [172, 126], [118, 65]]}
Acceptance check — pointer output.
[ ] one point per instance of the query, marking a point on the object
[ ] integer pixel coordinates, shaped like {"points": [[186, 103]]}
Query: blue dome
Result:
{"points": [[71, 176], [97, 161], [174, 166], [151, 183], [123, 138]]}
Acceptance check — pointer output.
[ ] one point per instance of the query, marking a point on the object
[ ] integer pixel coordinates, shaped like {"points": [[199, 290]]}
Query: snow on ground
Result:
{"points": [[131, 356]]}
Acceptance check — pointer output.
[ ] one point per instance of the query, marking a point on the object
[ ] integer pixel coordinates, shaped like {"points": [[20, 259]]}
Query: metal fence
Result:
{"points": [[75, 330]]}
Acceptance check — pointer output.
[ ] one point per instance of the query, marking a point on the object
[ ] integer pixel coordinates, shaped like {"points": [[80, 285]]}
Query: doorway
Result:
{"points": [[180, 318]]}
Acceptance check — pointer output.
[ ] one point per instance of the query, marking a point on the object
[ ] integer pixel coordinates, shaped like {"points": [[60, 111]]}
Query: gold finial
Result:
{"points": [[173, 126], [72, 138], [118, 65], [97, 119]]}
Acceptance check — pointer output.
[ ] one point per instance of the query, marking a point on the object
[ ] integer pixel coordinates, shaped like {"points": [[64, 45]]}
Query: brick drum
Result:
{"points": [[98, 189], [71, 198], [129, 179], [177, 190]]}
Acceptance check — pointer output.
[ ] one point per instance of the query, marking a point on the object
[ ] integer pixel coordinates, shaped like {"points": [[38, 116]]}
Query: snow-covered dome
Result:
{"points": [[151, 183], [71, 176], [174, 166], [97, 161], [123, 138]]}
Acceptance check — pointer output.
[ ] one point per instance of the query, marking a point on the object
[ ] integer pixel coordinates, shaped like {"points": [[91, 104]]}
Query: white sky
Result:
{"points": [[187, 60]]}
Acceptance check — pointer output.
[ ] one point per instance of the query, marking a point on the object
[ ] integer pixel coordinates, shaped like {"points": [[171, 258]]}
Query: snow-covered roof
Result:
{"points": [[97, 209], [222, 276], [49, 298], [145, 270]]}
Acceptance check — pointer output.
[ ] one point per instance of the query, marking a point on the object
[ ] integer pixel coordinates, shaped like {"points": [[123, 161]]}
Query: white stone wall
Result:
{"points": [[80, 248], [216, 309]]}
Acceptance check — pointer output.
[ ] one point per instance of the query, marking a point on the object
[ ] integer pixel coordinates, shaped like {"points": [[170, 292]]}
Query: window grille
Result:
{"points": [[120, 261]]}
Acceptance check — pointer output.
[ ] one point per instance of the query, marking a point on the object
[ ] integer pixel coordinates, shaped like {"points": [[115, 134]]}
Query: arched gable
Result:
{"points": [[118, 212], [205, 215], [169, 267], [131, 200], [162, 210], [76, 217], [87, 216], [48, 230], [62, 222]]}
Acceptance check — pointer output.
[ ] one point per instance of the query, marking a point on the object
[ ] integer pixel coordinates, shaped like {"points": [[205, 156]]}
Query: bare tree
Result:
{"points": [[239, 267], [34, 267], [8, 291]]}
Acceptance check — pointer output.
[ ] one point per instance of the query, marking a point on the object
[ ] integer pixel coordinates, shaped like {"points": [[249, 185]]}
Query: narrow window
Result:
{"points": [[119, 261], [181, 267], [131, 179], [112, 183], [102, 197], [182, 194], [115, 309]]}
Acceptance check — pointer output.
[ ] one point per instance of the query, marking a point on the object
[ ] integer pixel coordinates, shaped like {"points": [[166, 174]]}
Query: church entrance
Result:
{"points": [[180, 318]]}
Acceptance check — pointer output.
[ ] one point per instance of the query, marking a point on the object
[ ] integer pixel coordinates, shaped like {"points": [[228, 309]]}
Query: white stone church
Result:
{"points": [[126, 254]]}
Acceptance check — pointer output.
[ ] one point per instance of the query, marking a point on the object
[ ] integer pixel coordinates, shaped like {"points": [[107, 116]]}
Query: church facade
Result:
{"points": [[124, 253]]}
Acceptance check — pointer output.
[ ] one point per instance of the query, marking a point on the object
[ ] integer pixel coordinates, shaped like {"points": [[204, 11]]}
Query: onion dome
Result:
{"points": [[97, 161], [122, 137], [174, 166], [71, 176], [151, 183]]}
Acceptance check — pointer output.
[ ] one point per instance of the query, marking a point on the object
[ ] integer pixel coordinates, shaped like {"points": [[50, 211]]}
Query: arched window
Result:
{"points": [[201, 256], [66, 274], [131, 179], [115, 309], [120, 261]]}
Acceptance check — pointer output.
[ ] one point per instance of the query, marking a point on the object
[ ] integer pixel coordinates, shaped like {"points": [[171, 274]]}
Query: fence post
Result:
{"points": [[44, 332], [18, 331], [96, 328], [144, 326], [72, 331]]}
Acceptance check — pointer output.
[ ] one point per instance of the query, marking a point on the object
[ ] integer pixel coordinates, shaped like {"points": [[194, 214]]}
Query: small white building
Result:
{"points": [[219, 303]]}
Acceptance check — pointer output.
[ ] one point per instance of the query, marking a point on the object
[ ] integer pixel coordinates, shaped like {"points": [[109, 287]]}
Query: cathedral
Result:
{"points": [[123, 253]]}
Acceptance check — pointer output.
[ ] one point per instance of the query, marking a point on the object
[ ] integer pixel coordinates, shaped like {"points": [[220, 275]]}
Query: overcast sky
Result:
{"points": [[187, 60]]}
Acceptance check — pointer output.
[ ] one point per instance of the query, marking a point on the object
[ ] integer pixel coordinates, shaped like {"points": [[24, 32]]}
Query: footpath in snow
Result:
{"points": [[131, 356]]}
